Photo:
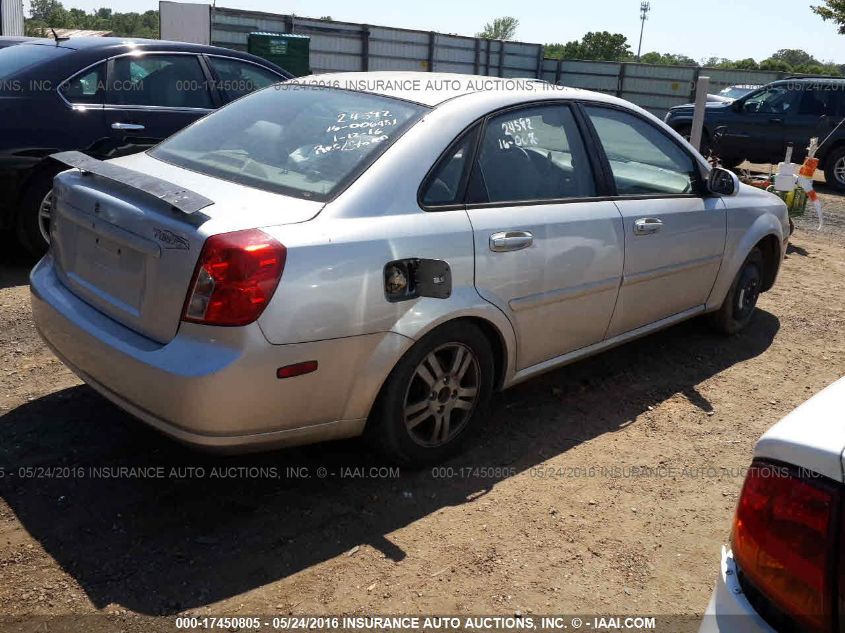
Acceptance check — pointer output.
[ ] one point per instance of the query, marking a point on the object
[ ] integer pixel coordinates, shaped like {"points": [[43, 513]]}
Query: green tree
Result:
{"points": [[596, 45], [667, 59], [746, 64], [500, 29], [46, 14], [794, 57], [833, 10], [775, 64]]}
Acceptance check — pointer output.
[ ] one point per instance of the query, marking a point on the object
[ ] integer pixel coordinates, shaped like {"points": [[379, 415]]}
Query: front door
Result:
{"points": [[757, 131], [546, 254], [674, 233], [151, 97]]}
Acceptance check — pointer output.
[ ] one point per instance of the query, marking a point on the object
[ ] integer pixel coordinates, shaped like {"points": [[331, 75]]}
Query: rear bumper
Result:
{"points": [[216, 387], [729, 611]]}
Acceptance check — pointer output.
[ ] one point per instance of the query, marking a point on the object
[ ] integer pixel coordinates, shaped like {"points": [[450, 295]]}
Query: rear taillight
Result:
{"points": [[235, 278], [784, 542]]}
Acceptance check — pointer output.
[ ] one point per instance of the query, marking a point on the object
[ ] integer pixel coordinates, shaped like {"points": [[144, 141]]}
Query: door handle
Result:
{"points": [[127, 126], [776, 120], [647, 226], [507, 241]]}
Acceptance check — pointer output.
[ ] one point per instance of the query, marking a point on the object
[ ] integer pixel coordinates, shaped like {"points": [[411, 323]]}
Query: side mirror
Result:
{"points": [[722, 182]]}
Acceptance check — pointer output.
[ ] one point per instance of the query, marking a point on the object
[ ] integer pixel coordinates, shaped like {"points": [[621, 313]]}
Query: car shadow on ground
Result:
{"points": [[162, 545], [15, 263]]}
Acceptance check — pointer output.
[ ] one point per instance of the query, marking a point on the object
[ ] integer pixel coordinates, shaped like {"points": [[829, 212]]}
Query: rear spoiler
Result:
{"points": [[178, 197]]}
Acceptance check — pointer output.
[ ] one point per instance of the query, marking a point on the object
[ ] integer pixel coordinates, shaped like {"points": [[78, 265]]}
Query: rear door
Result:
{"points": [[815, 115], [84, 96], [674, 232], [548, 254], [152, 96]]}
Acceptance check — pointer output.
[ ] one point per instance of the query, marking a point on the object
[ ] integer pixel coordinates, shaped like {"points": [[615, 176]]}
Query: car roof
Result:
{"points": [[434, 89], [812, 436], [92, 43], [94, 48], [813, 79]]}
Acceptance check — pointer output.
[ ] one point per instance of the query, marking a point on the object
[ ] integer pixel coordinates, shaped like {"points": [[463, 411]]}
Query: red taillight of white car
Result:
{"points": [[784, 542], [235, 278]]}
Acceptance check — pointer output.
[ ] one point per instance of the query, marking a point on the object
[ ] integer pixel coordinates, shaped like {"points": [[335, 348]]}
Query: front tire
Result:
{"points": [[834, 171], [434, 399], [741, 302]]}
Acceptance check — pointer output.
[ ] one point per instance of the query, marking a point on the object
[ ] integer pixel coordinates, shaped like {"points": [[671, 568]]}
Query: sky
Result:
{"points": [[716, 28]]}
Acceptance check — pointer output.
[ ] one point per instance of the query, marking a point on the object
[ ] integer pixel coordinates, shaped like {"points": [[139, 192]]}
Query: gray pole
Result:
{"points": [[698, 115], [645, 7]]}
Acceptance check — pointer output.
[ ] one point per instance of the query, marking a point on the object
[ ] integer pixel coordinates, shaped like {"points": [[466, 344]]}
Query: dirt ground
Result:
{"points": [[606, 487]]}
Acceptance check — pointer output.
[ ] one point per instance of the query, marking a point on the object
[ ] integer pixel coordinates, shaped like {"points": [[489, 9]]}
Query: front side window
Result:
{"points": [[777, 99], [168, 81], [532, 154], [306, 141], [88, 87], [643, 160], [236, 78]]}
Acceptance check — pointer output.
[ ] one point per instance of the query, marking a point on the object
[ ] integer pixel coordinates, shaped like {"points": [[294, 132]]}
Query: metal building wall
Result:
{"points": [[348, 46], [11, 17], [655, 88]]}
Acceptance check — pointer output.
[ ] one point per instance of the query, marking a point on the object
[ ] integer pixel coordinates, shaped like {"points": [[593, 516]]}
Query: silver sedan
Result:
{"points": [[378, 253]]}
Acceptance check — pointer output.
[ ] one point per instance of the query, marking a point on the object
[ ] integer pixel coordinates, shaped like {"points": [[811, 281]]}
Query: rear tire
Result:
{"points": [[741, 301], [834, 170], [435, 398], [33, 220]]}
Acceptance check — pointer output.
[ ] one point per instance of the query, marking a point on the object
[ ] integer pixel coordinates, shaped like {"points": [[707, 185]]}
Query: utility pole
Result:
{"points": [[645, 7]]}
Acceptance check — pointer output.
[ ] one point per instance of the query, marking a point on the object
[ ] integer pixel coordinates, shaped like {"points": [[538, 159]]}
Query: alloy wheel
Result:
{"points": [[442, 395], [839, 170], [45, 213]]}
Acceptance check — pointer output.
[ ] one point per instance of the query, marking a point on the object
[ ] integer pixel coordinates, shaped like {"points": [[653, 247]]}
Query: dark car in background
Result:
{"points": [[759, 126], [107, 97]]}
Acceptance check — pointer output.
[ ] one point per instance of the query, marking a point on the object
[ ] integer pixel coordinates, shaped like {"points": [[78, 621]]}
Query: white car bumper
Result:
{"points": [[729, 611]]}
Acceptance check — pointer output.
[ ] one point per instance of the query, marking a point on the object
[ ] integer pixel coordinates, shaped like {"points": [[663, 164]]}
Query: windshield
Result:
{"points": [[735, 92], [306, 141], [14, 59]]}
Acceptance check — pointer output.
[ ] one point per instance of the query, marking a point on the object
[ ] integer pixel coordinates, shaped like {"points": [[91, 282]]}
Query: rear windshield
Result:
{"points": [[305, 141], [14, 59]]}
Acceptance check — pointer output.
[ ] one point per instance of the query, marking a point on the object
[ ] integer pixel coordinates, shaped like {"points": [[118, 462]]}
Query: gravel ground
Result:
{"points": [[544, 515]]}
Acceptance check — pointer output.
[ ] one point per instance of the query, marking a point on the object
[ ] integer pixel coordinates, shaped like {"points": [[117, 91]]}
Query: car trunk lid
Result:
{"points": [[131, 254]]}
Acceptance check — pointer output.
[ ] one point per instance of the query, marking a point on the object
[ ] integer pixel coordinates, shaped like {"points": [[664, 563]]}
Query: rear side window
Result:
{"points": [[819, 100], [16, 59], [88, 87], [446, 183], [532, 154], [306, 141], [643, 159], [236, 78], [170, 81]]}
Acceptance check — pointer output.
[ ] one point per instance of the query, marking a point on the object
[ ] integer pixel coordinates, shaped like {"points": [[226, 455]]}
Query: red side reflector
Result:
{"points": [[298, 369]]}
